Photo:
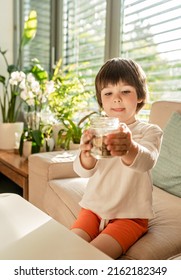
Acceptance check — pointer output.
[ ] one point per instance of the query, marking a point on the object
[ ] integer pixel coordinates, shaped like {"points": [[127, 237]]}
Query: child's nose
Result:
{"points": [[117, 98]]}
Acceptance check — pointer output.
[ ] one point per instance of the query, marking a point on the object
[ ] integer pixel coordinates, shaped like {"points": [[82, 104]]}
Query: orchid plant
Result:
{"points": [[35, 87], [33, 92]]}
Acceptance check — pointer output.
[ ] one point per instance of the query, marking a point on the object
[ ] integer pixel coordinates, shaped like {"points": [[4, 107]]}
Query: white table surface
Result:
{"points": [[27, 233]]}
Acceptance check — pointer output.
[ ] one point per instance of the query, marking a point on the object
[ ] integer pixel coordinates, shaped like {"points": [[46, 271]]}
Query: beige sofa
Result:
{"points": [[56, 189]]}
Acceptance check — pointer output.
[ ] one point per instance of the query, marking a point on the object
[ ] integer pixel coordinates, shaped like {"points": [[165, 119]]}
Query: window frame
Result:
{"points": [[112, 32], [114, 22]]}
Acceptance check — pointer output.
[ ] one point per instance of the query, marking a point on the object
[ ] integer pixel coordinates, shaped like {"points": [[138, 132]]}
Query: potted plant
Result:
{"points": [[9, 95], [35, 87], [30, 140], [70, 99], [48, 141]]}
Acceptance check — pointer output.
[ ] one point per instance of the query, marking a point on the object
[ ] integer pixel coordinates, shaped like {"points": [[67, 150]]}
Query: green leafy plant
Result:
{"points": [[8, 101], [71, 95], [70, 100], [47, 131], [35, 136], [72, 131]]}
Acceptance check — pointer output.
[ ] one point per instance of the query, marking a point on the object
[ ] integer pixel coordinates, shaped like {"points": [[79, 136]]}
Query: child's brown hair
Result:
{"points": [[125, 70]]}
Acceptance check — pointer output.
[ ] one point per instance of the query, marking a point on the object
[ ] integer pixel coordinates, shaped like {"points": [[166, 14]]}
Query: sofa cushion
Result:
{"points": [[167, 172], [62, 198], [163, 239]]}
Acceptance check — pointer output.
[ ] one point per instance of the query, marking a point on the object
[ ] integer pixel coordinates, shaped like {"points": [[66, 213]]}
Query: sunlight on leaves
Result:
{"points": [[30, 28]]}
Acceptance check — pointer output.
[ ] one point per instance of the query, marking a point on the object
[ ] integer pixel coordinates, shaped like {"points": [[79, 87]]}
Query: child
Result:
{"points": [[117, 202]]}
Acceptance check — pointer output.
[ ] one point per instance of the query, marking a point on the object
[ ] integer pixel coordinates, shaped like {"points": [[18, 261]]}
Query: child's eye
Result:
{"points": [[125, 91], [107, 93]]}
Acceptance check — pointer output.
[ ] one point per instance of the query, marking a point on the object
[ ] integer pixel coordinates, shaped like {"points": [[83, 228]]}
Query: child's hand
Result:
{"points": [[85, 144], [87, 161], [119, 143]]}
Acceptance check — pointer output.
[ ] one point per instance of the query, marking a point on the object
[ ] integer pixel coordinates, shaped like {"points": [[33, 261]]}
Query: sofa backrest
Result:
{"points": [[162, 110]]}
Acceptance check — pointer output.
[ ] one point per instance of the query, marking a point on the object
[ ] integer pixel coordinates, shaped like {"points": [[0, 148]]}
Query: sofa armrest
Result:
{"points": [[44, 167]]}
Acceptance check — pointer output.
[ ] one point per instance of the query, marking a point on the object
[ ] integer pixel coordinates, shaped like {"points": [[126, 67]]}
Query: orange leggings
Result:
{"points": [[125, 231]]}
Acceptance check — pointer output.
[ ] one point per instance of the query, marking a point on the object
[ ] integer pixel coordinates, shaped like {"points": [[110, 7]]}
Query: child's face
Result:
{"points": [[120, 101]]}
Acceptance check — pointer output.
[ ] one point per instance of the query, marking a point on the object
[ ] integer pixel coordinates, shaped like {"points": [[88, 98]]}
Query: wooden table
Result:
{"points": [[15, 168]]}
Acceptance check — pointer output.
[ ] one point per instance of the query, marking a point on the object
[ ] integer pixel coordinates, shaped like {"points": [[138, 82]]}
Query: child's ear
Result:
{"points": [[140, 100]]}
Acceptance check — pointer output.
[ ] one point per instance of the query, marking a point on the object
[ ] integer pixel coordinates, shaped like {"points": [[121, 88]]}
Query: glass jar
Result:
{"points": [[102, 126]]}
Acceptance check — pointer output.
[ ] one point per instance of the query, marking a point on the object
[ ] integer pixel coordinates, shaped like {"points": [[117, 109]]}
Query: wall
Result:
{"points": [[6, 28], [6, 34]]}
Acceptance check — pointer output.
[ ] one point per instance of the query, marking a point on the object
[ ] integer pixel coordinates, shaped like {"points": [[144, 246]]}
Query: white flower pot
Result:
{"points": [[27, 148], [10, 134]]}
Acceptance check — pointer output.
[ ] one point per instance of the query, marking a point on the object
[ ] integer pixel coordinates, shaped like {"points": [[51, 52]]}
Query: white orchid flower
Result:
{"points": [[35, 86], [30, 95], [22, 85], [23, 94], [30, 78], [22, 76], [26, 95], [13, 82], [49, 87], [30, 102], [17, 77], [32, 91]]}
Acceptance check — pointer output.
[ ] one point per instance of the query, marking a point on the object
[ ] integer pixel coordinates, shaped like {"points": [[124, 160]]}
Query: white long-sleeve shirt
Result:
{"points": [[115, 190]]}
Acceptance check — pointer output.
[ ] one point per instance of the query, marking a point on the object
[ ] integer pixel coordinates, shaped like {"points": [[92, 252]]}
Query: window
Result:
{"points": [[89, 32], [151, 35], [40, 47], [84, 27]]}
